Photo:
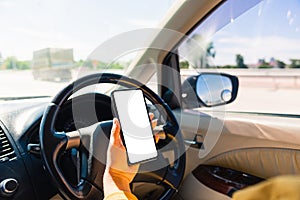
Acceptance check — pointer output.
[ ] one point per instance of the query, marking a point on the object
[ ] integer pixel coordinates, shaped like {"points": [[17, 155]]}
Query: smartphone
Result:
{"points": [[129, 107]]}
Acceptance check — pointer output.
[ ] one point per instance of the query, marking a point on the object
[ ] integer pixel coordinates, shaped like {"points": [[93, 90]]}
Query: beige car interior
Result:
{"points": [[262, 147]]}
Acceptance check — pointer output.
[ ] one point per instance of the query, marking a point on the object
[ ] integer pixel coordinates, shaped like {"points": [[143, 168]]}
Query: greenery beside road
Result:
{"points": [[13, 63], [240, 64]]}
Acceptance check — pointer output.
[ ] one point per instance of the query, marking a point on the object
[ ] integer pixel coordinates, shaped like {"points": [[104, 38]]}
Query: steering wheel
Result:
{"points": [[92, 142]]}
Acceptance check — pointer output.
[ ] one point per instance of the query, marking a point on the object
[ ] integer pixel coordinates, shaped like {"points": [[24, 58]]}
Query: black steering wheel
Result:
{"points": [[91, 142]]}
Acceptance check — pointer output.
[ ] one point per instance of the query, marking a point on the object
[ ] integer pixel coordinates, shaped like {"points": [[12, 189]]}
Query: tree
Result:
{"points": [[10, 63], [184, 64], [202, 53], [280, 64], [210, 50], [265, 66], [88, 64], [295, 63], [79, 63], [23, 65], [13, 63], [239, 59]]}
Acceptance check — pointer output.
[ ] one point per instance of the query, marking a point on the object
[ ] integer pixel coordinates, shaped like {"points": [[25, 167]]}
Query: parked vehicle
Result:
{"points": [[53, 64]]}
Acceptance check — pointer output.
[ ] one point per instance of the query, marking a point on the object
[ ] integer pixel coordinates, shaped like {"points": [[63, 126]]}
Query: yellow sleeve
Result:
{"points": [[278, 188], [121, 196]]}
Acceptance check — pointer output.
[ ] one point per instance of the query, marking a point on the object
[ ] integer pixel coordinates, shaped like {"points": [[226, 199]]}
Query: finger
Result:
{"points": [[154, 123], [113, 129], [156, 138], [115, 133], [151, 116], [159, 136]]}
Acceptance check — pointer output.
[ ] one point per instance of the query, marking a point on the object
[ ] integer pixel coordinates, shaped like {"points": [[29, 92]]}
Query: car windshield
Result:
{"points": [[46, 44]]}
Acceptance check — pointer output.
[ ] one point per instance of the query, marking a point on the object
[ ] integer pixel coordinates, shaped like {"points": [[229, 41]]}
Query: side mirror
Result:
{"points": [[209, 89]]}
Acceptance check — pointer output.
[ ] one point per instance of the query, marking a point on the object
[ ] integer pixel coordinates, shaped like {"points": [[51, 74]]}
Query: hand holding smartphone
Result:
{"points": [[130, 108]]}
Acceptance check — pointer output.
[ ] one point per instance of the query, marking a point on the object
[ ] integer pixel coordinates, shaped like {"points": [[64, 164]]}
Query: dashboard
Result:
{"points": [[22, 174]]}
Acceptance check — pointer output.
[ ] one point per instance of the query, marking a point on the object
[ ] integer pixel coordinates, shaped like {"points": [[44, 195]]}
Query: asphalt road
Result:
{"points": [[21, 83], [263, 94]]}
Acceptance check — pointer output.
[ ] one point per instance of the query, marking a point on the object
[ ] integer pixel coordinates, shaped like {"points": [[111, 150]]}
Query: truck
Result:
{"points": [[52, 64]]}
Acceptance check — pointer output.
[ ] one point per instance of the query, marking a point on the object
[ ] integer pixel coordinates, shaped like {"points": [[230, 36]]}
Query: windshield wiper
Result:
{"points": [[23, 97]]}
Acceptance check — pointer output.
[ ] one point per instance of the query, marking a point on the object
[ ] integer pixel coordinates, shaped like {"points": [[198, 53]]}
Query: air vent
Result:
{"points": [[6, 149]]}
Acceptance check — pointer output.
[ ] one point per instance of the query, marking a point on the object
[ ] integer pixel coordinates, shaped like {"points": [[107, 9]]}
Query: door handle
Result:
{"points": [[197, 142]]}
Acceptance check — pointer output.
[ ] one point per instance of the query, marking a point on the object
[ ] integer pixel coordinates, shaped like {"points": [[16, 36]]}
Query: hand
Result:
{"points": [[118, 174], [117, 157]]}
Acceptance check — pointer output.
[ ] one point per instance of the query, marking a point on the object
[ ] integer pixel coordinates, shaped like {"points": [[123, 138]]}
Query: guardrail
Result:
{"points": [[247, 72], [274, 78]]}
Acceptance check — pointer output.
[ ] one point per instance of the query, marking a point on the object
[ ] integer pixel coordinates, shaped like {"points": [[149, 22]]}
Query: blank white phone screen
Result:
{"points": [[135, 125]]}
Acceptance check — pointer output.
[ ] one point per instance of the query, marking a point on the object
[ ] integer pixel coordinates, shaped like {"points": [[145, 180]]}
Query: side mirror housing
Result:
{"points": [[209, 90]]}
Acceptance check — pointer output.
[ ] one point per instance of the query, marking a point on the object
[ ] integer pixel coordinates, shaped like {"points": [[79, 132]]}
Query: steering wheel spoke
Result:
{"points": [[73, 139]]}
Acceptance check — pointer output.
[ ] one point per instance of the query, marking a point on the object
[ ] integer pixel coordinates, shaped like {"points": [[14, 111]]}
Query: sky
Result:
{"points": [[79, 24], [269, 29], [255, 29]]}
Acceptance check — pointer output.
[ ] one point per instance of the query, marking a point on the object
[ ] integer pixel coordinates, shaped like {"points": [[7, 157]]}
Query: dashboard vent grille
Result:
{"points": [[6, 149]]}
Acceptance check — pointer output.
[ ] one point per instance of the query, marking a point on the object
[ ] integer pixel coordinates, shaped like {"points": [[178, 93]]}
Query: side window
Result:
{"points": [[257, 41]]}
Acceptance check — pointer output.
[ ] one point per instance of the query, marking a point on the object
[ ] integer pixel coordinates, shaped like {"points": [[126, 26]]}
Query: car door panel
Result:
{"points": [[199, 190], [260, 145], [260, 161]]}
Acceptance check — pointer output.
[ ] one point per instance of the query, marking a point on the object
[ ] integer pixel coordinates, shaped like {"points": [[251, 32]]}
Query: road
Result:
{"points": [[21, 83], [264, 94]]}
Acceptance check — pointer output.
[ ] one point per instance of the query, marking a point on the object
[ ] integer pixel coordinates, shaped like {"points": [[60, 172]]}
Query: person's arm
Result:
{"points": [[281, 187], [118, 175]]}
